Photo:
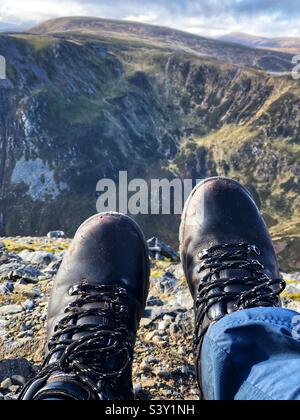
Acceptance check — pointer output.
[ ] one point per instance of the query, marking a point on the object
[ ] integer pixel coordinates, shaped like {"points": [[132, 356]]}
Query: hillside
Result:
{"points": [[166, 38], [286, 44], [87, 98]]}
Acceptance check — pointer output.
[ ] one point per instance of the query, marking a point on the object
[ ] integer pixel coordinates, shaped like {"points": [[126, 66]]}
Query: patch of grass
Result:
{"points": [[37, 42], [53, 247], [159, 268], [292, 296]]}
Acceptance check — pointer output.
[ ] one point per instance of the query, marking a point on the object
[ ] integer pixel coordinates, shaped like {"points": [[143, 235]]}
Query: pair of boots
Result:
{"points": [[100, 292]]}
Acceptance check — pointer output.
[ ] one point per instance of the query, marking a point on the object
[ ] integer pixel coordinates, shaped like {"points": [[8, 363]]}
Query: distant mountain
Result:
{"points": [[289, 44], [86, 98], [12, 27], [164, 37], [5, 26]]}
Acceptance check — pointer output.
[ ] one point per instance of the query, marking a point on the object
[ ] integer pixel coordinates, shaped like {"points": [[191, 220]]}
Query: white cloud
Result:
{"points": [[146, 18], [38, 10], [203, 17]]}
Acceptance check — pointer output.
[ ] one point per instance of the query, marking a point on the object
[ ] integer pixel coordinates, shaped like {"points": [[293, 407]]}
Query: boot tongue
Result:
{"points": [[104, 321], [61, 386], [217, 311]]}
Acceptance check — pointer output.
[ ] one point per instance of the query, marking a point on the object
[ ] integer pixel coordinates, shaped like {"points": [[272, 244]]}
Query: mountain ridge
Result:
{"points": [[284, 44], [168, 37]]}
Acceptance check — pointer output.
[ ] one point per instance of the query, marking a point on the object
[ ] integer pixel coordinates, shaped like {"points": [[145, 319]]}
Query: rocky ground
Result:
{"points": [[163, 367]]}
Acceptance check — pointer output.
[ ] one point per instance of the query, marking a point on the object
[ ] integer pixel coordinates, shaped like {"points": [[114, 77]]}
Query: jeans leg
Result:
{"points": [[253, 355]]}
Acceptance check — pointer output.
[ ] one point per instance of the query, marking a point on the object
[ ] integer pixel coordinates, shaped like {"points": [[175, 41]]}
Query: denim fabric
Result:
{"points": [[253, 355]]}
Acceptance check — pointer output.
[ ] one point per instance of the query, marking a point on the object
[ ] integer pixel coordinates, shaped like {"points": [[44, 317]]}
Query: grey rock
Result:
{"points": [[137, 389], [29, 305], [165, 284], [182, 298], [16, 367], [168, 282], [6, 288], [177, 271], [4, 258], [28, 290], [3, 332], [185, 370], [53, 267], [167, 393], [174, 329], [56, 234], [148, 313], [159, 313], [6, 384], [155, 301], [145, 366], [293, 288], [6, 270], [18, 380], [160, 340], [3, 247], [162, 373], [152, 360], [14, 389], [27, 274], [291, 276], [14, 271], [39, 258], [159, 250], [10, 310], [163, 325]]}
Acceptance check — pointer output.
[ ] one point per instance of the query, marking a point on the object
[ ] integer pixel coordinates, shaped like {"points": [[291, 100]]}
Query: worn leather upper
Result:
{"points": [[221, 211], [108, 249], [97, 301]]}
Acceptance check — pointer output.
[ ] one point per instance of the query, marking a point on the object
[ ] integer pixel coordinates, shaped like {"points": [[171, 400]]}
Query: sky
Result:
{"points": [[203, 17]]}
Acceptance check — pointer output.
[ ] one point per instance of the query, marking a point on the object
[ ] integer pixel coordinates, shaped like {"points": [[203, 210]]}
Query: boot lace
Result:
{"points": [[103, 352], [261, 290]]}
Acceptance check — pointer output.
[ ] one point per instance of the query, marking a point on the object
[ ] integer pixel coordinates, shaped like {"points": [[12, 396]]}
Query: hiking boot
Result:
{"points": [[227, 255], [98, 299]]}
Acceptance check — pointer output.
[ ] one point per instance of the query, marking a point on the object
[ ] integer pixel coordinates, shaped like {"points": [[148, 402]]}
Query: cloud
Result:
{"points": [[206, 17]]}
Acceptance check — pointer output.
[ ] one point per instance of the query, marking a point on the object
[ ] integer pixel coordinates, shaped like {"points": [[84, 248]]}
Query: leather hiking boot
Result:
{"points": [[98, 299], [227, 255]]}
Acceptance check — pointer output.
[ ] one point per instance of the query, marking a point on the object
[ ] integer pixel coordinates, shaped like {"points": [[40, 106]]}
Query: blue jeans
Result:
{"points": [[253, 355]]}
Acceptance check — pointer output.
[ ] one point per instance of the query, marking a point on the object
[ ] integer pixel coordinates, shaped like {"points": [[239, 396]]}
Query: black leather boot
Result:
{"points": [[227, 255], [98, 299]]}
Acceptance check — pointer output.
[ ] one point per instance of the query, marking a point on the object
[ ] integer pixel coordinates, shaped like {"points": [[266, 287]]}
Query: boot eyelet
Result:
{"points": [[255, 249], [203, 254], [73, 290]]}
